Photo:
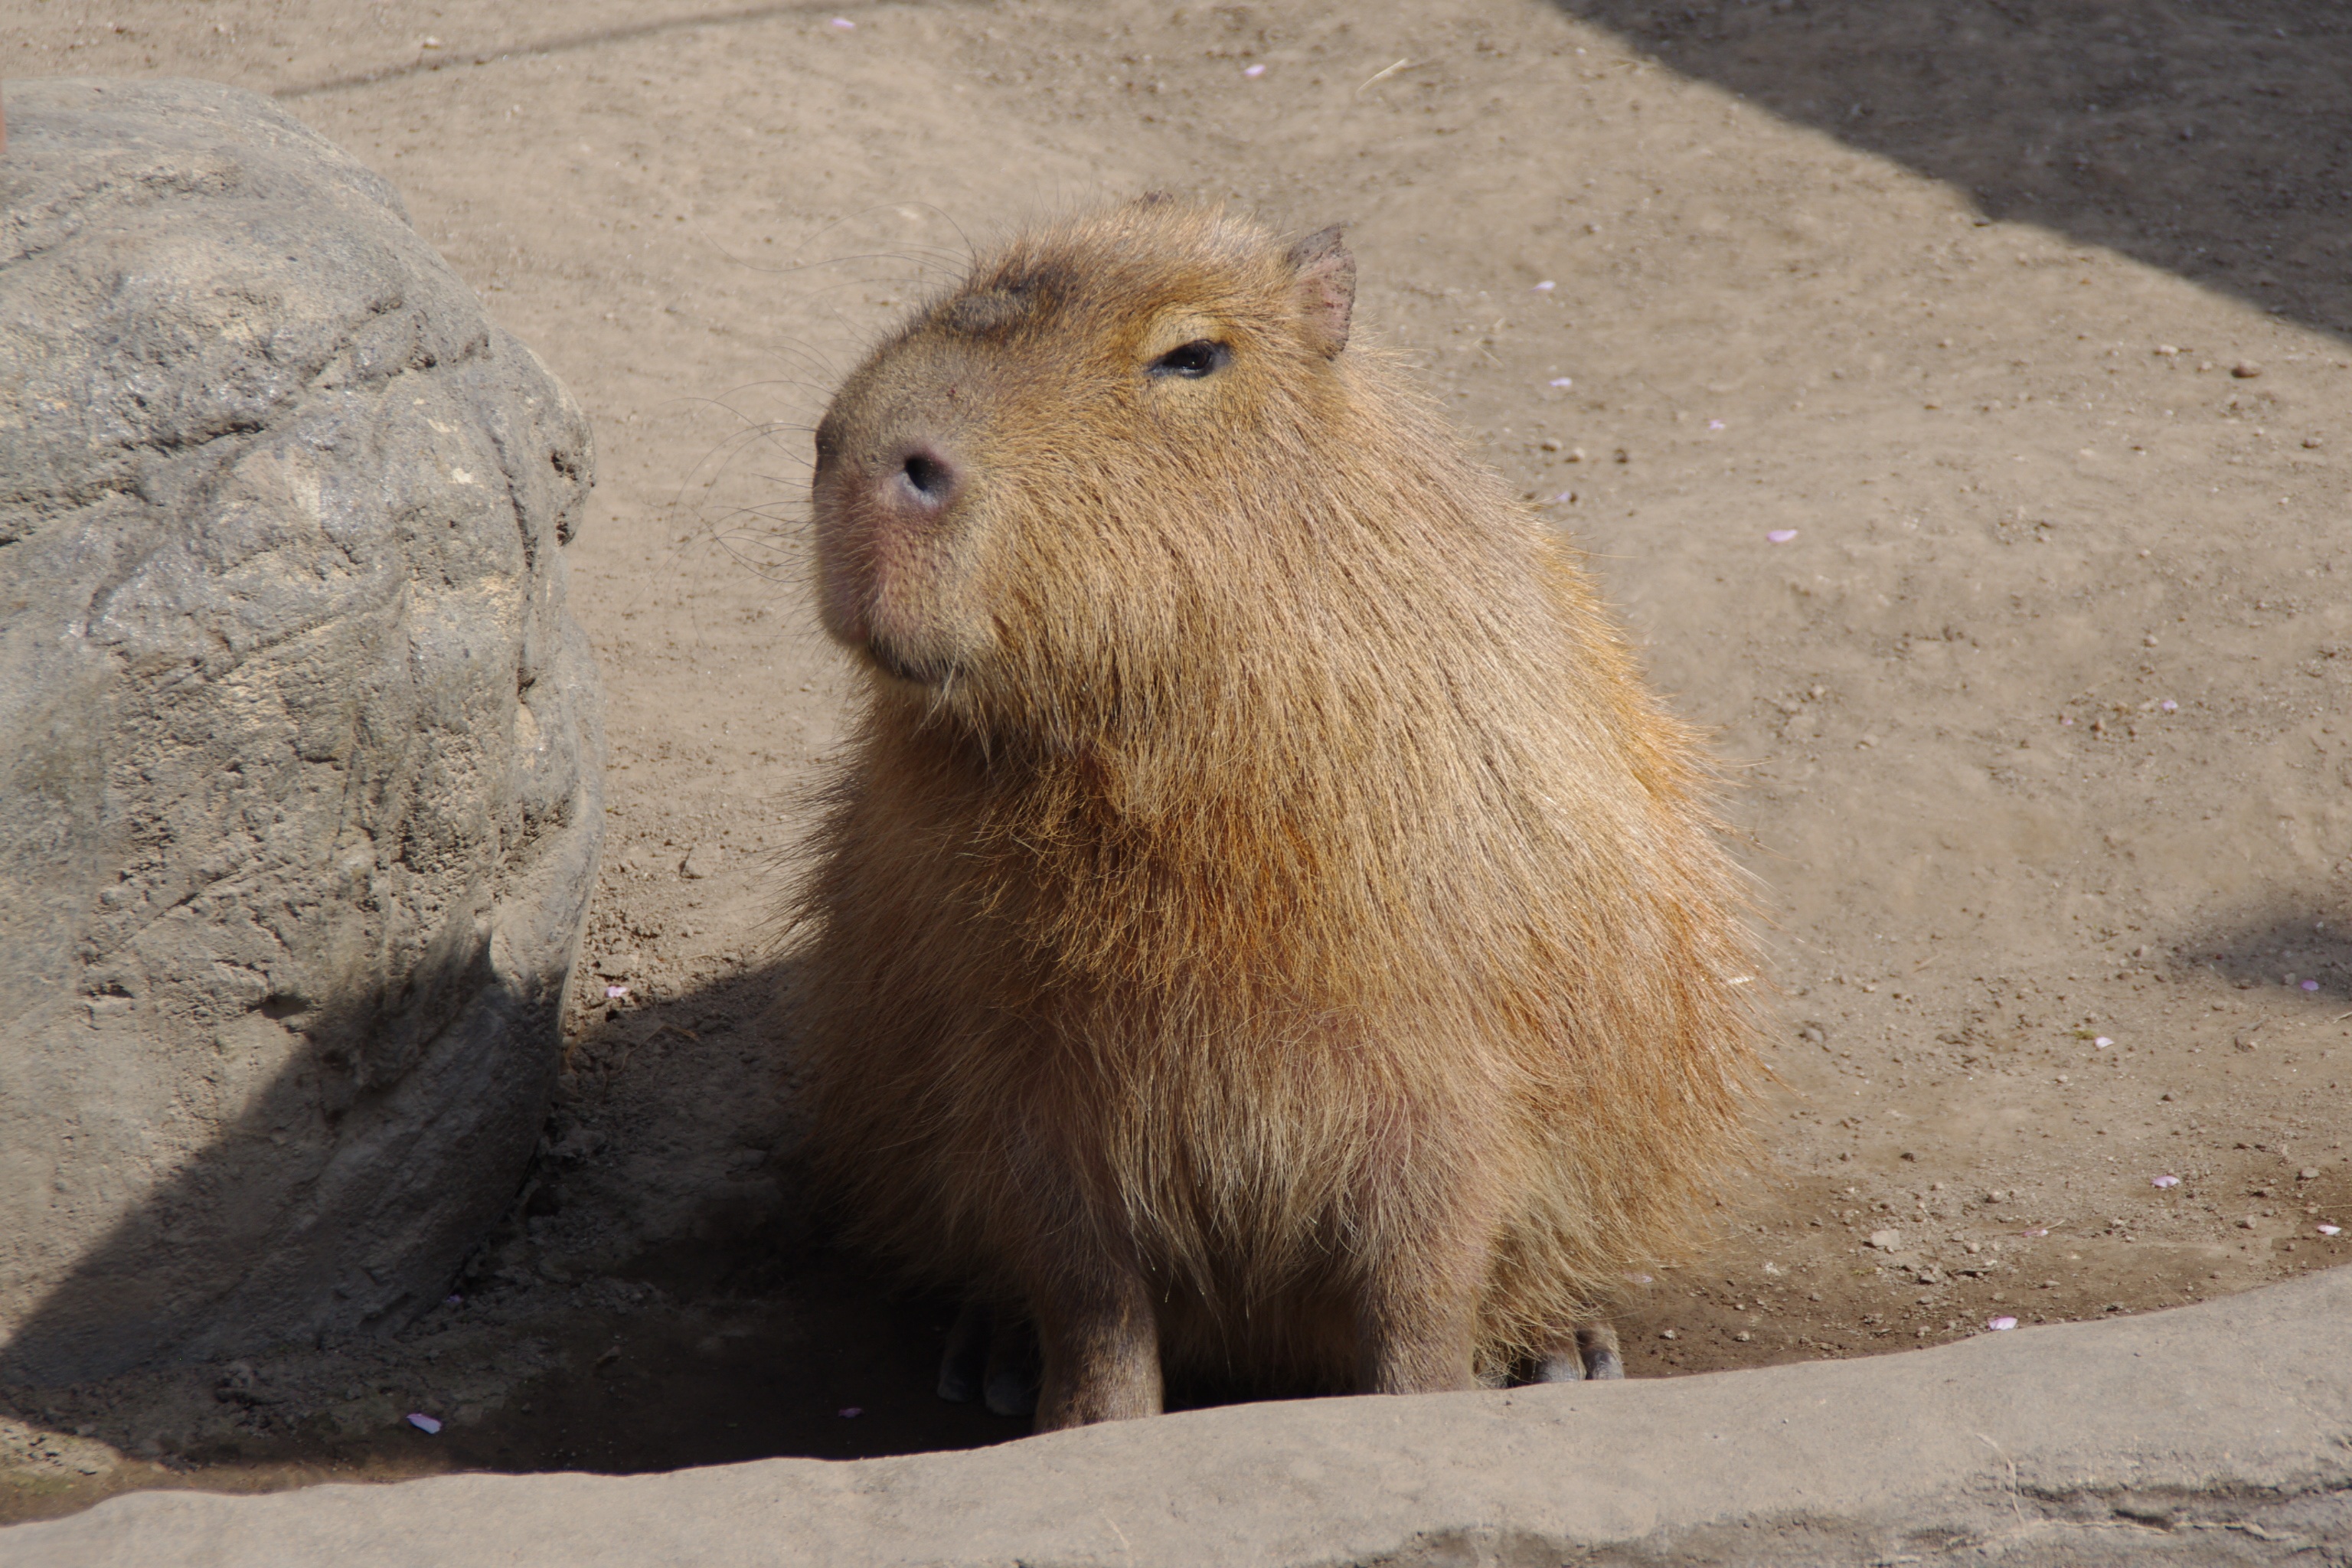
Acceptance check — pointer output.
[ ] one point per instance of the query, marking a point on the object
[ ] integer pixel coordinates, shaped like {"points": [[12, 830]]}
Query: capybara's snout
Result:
{"points": [[885, 510]]}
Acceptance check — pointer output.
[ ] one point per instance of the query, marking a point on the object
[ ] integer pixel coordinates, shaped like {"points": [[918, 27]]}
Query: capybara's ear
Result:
{"points": [[1327, 288]]}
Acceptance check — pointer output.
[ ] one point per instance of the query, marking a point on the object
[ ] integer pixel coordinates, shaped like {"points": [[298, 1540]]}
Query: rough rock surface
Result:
{"points": [[300, 801], [2212, 1434]]}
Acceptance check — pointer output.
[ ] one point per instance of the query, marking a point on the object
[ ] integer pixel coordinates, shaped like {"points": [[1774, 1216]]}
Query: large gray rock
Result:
{"points": [[2207, 1434], [300, 760]]}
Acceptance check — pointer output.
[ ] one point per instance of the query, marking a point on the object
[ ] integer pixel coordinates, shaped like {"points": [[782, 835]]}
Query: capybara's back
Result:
{"points": [[1263, 922]]}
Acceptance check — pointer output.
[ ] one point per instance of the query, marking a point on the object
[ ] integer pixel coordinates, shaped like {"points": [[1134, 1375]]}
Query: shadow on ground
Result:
{"points": [[655, 1294], [2212, 138], [2305, 953]]}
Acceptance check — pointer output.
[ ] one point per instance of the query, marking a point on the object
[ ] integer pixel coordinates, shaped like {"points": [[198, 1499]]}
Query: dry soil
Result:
{"points": [[1952, 395]]}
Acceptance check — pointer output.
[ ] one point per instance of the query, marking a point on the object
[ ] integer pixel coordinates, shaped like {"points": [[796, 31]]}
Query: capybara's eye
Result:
{"points": [[1196, 359]]}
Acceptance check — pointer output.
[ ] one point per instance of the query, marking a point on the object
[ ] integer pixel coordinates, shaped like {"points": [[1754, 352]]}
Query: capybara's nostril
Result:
{"points": [[929, 478]]}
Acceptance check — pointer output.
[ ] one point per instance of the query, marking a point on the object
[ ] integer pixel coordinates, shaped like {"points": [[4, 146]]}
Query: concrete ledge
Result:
{"points": [[2221, 1433]]}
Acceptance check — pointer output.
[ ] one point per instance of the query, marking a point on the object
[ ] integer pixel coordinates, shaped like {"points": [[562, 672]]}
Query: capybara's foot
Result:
{"points": [[1010, 1387], [1100, 1352], [991, 1356], [1593, 1355], [964, 1363]]}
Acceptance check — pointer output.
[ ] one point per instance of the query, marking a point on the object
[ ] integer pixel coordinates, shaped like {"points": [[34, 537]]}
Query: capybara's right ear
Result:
{"points": [[1327, 288]]}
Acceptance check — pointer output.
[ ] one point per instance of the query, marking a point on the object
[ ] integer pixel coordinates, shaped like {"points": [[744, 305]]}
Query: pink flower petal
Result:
{"points": [[2310, 986], [1253, 70], [1715, 423], [1546, 286], [1563, 383], [614, 993], [850, 1412], [1781, 535], [2164, 1181], [423, 1423], [2330, 1229], [2102, 1042], [2169, 706], [2002, 1325], [844, 23]]}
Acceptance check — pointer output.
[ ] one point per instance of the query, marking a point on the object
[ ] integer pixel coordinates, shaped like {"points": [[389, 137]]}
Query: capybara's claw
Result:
{"points": [[1011, 1385], [964, 1363], [1593, 1355], [1597, 1343]]}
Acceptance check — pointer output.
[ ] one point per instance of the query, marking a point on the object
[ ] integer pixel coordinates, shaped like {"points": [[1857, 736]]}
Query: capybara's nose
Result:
{"points": [[924, 481]]}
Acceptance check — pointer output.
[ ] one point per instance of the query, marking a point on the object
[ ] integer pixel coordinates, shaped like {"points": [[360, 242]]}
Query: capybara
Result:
{"points": [[1262, 928]]}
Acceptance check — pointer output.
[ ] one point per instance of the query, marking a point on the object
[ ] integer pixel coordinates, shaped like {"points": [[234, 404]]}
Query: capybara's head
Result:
{"points": [[1035, 498]]}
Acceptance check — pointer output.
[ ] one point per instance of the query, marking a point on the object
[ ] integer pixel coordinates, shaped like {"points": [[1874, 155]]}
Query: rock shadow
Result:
{"points": [[652, 1293], [324, 1209], [2213, 139]]}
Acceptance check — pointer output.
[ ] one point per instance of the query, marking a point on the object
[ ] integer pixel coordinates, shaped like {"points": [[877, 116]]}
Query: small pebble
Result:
{"points": [[2167, 350], [2245, 370], [1887, 1240], [1669, 1333], [2247, 1223], [2308, 1173]]}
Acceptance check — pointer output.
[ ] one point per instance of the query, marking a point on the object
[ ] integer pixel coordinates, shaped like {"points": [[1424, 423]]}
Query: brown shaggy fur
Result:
{"points": [[1263, 923]]}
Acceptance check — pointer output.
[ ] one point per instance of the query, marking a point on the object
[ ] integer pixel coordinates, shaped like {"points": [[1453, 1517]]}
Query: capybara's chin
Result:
{"points": [[914, 669]]}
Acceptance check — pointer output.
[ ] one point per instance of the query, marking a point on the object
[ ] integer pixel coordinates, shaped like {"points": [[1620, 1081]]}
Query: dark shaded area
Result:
{"points": [[2306, 954], [260, 1227], [760, 1360], [2212, 137]]}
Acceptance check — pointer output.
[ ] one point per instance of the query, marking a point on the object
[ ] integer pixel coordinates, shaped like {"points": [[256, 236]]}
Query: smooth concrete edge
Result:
{"points": [[2064, 1444]]}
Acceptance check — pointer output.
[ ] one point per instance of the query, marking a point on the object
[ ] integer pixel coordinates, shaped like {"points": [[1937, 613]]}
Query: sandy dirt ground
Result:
{"points": [[1952, 395]]}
